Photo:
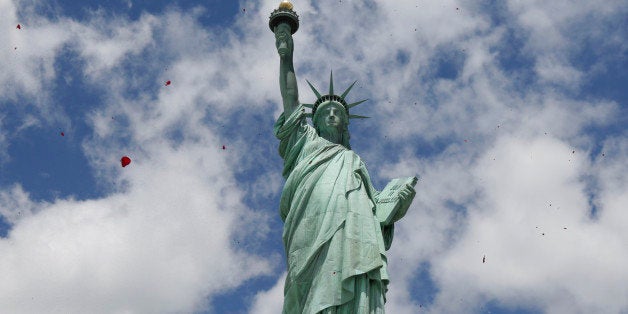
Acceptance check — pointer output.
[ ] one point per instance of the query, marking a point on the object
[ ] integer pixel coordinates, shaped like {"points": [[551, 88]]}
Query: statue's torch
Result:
{"points": [[284, 14]]}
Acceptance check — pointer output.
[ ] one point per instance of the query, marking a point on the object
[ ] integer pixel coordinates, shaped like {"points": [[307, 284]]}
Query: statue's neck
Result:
{"points": [[333, 136]]}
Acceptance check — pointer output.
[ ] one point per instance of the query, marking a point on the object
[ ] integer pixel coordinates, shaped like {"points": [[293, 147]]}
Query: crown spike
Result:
{"points": [[347, 91], [331, 82], [318, 95], [356, 103], [355, 116]]}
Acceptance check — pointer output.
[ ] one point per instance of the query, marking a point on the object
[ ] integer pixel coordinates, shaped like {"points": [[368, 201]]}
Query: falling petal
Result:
{"points": [[223, 147], [62, 134], [168, 83], [18, 26], [125, 161]]}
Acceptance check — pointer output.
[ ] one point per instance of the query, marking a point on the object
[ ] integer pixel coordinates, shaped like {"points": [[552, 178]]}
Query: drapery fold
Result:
{"points": [[333, 242]]}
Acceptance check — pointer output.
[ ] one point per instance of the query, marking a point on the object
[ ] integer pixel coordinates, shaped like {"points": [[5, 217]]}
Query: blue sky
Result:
{"points": [[512, 113]]}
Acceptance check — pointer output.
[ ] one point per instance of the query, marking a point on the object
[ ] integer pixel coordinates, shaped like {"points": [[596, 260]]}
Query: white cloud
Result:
{"points": [[166, 238], [28, 56], [558, 30], [3, 142], [532, 224], [105, 42], [610, 169], [163, 238], [271, 301], [161, 245]]}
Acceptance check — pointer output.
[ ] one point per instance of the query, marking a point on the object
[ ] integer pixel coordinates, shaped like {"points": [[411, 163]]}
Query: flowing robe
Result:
{"points": [[333, 241]]}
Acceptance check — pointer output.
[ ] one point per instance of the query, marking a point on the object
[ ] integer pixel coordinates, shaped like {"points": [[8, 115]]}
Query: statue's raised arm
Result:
{"points": [[287, 78], [284, 22]]}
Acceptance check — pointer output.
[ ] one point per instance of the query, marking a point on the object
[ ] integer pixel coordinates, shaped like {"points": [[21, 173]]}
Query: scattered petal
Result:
{"points": [[168, 83], [125, 161], [223, 147], [62, 134], [18, 26], [484, 259]]}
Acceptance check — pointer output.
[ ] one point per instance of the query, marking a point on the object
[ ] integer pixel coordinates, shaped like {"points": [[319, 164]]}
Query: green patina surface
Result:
{"points": [[335, 244]]}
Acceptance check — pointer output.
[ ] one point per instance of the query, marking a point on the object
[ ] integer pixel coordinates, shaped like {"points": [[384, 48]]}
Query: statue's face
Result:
{"points": [[332, 117]]}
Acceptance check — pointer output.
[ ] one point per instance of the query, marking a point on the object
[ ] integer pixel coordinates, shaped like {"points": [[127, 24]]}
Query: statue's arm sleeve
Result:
{"points": [[289, 88], [388, 231], [293, 133]]}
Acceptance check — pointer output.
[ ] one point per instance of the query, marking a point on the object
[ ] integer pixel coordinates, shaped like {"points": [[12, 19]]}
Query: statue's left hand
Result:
{"points": [[406, 195]]}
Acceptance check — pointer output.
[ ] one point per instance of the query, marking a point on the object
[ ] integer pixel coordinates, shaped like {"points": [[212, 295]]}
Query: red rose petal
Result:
{"points": [[62, 134], [18, 26], [168, 83], [223, 147], [125, 161]]}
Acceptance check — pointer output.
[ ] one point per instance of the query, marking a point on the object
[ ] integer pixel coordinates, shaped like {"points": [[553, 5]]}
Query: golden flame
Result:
{"points": [[285, 4]]}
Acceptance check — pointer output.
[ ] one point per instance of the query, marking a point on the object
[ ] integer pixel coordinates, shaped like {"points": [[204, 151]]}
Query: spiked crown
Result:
{"points": [[331, 97]]}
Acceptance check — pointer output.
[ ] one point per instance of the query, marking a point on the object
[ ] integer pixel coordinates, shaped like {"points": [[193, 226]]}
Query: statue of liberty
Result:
{"points": [[337, 226]]}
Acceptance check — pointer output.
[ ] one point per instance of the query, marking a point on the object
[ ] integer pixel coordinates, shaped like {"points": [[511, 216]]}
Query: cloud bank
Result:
{"points": [[522, 164]]}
